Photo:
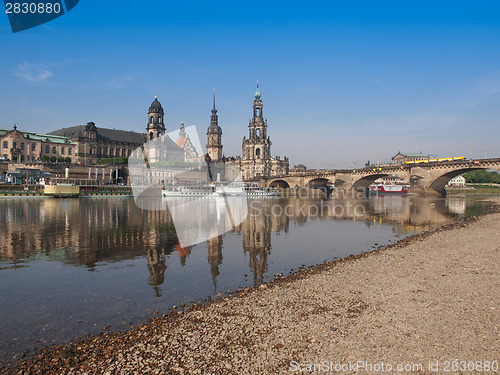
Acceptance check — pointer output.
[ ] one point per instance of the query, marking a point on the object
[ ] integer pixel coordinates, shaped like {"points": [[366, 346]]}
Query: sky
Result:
{"points": [[341, 82]]}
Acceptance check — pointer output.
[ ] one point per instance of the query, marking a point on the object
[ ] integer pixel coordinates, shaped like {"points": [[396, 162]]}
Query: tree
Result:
{"points": [[482, 177], [60, 159], [53, 159], [45, 158], [67, 160]]}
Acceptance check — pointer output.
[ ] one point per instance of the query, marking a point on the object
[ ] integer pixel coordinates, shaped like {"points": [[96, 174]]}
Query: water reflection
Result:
{"points": [[89, 231], [69, 267]]}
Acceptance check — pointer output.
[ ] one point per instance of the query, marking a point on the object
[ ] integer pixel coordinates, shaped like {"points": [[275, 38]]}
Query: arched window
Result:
{"points": [[150, 135], [257, 133], [257, 153], [151, 119]]}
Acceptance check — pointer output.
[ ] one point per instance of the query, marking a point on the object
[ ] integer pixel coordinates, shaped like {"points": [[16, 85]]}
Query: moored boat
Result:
{"points": [[238, 188], [190, 191], [233, 189], [62, 190], [389, 189]]}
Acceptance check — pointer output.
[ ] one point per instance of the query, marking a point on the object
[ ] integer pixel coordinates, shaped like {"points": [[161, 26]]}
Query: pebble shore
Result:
{"points": [[426, 300]]}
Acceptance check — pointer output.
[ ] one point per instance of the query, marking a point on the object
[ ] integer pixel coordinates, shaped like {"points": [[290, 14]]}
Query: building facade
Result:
{"points": [[27, 147], [458, 181], [402, 158], [93, 143], [191, 154]]}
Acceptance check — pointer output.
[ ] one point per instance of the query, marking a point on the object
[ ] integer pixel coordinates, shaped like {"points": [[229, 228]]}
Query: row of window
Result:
{"points": [[112, 152], [22, 145], [23, 159], [33, 147]]}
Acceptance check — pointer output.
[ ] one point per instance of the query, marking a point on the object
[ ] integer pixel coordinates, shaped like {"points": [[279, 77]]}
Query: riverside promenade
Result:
{"points": [[416, 306]]}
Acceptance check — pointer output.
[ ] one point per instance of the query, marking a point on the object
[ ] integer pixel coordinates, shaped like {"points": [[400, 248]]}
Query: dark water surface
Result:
{"points": [[71, 267]]}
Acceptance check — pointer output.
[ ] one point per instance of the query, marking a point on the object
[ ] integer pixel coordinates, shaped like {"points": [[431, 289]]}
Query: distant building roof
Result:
{"points": [[412, 154], [103, 134], [53, 138]]}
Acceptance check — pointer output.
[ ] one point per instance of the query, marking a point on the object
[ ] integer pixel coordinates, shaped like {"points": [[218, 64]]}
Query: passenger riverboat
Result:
{"points": [[232, 189], [390, 189]]}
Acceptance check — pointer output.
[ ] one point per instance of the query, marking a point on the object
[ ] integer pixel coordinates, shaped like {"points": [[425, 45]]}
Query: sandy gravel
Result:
{"points": [[435, 297]]}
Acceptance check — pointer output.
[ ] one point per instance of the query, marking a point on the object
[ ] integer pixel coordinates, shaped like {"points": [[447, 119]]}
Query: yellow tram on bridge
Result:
{"points": [[436, 160]]}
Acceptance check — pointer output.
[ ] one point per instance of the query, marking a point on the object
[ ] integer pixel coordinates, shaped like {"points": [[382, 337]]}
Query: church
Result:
{"points": [[92, 144], [256, 161]]}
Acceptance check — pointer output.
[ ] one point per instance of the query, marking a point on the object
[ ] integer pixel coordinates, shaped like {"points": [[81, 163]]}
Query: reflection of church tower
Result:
{"points": [[257, 241], [156, 126], [215, 256], [214, 136], [156, 266]]}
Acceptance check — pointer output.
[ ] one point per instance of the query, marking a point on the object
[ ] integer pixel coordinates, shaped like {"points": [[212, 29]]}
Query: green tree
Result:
{"points": [[60, 159], [45, 158], [53, 159], [482, 177], [67, 160]]}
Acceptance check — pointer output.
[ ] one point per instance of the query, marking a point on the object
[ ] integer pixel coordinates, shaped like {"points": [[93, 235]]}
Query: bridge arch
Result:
{"points": [[318, 183], [280, 183], [364, 182], [439, 183]]}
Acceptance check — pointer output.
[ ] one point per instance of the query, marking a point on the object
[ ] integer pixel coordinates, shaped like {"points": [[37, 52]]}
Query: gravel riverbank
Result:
{"points": [[426, 300]]}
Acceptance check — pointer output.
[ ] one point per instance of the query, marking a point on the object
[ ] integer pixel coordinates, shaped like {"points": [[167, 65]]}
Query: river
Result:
{"points": [[70, 267]]}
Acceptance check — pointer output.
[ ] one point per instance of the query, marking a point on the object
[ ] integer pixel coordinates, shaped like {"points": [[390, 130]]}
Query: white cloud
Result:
{"points": [[119, 82], [33, 72]]}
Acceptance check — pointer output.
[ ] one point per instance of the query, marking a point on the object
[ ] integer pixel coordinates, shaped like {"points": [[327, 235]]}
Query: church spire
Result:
{"points": [[214, 133], [214, 102], [257, 93], [214, 119]]}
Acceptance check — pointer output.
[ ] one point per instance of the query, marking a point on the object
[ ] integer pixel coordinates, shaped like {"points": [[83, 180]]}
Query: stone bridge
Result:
{"points": [[424, 178]]}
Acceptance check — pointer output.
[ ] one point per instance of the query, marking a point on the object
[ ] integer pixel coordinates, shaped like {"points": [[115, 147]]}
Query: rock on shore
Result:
{"points": [[432, 298]]}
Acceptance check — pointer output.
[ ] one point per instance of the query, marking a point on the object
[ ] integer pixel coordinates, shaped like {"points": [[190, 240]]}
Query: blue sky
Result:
{"points": [[341, 82]]}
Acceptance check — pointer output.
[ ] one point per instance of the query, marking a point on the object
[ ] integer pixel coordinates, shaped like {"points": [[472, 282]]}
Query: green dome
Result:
{"points": [[257, 93]]}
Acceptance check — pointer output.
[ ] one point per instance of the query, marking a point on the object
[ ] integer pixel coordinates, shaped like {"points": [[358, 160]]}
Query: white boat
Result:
{"points": [[239, 188], [190, 191], [233, 189], [390, 189]]}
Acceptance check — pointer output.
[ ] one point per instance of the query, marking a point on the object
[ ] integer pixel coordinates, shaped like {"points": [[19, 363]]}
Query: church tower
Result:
{"points": [[156, 126], [214, 136], [257, 148]]}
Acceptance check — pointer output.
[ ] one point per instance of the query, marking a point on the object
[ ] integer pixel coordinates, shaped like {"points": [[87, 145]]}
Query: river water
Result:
{"points": [[75, 266]]}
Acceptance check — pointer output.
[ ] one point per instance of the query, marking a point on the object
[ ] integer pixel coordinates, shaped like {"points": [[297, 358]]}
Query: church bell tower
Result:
{"points": [[156, 125], [214, 136], [257, 147]]}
